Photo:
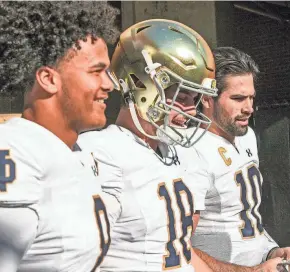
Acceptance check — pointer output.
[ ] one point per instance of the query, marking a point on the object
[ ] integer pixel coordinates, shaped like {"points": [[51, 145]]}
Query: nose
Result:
{"points": [[248, 106], [107, 84]]}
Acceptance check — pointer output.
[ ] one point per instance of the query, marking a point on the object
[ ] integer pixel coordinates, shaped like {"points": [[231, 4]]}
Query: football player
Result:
{"points": [[49, 200], [228, 172], [164, 68]]}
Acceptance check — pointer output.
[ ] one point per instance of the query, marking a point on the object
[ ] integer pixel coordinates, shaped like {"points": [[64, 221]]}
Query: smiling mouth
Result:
{"points": [[179, 122], [101, 99]]}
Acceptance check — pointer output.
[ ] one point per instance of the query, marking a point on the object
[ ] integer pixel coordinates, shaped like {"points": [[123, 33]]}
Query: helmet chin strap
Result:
{"points": [[161, 135], [151, 67], [137, 122], [151, 70], [132, 109]]}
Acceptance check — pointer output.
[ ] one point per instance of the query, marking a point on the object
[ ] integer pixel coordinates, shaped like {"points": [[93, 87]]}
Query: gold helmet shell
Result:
{"points": [[155, 54]]}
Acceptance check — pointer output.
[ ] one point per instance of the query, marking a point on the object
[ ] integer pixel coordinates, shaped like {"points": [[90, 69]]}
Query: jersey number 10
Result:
{"points": [[247, 229], [172, 259]]}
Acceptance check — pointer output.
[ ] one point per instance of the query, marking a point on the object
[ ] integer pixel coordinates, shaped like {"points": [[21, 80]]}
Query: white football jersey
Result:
{"points": [[38, 171], [230, 228], [149, 203]]}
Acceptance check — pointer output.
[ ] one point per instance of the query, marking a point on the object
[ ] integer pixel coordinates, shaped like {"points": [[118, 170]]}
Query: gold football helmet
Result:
{"points": [[154, 55]]}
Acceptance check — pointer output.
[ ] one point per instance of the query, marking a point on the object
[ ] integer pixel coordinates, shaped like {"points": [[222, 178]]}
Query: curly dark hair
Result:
{"points": [[35, 34]]}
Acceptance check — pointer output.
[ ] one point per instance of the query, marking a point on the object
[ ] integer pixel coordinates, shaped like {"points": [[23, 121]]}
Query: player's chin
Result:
{"points": [[241, 130], [100, 121], [97, 120]]}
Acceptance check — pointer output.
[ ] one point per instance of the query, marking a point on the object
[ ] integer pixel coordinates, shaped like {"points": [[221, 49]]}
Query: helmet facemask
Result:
{"points": [[166, 105]]}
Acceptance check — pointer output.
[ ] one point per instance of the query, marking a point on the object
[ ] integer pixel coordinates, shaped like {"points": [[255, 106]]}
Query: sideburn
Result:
{"points": [[70, 113]]}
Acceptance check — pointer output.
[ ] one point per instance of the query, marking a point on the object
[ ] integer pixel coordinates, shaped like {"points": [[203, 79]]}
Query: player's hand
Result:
{"points": [[269, 266], [283, 253]]}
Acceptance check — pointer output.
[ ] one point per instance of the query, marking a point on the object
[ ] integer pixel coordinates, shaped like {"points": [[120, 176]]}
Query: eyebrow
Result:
{"points": [[241, 95], [99, 65]]}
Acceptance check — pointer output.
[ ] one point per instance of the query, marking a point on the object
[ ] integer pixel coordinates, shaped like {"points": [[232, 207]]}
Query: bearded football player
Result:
{"points": [[229, 179]]}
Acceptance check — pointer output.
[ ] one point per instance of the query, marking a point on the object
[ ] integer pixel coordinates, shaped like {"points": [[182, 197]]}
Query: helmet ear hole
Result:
{"points": [[137, 82]]}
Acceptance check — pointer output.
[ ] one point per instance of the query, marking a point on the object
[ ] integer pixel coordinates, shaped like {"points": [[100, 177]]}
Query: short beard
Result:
{"points": [[226, 124]]}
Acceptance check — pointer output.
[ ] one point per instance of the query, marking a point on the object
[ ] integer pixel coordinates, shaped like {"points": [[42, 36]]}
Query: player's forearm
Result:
{"points": [[219, 266], [198, 264]]}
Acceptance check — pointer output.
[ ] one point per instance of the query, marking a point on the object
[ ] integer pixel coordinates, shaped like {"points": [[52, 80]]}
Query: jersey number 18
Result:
{"points": [[172, 258]]}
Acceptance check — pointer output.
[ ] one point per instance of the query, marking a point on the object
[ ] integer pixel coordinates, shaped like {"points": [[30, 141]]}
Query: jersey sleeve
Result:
{"points": [[19, 175], [110, 178], [198, 179], [270, 244]]}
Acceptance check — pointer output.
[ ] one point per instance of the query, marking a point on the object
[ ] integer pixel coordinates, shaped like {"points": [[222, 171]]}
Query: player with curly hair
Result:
{"points": [[52, 217]]}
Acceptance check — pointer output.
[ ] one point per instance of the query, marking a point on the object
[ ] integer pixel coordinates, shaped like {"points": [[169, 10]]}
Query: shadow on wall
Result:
{"points": [[273, 131], [113, 107]]}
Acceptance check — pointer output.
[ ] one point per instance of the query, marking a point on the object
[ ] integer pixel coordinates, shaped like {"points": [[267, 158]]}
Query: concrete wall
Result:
{"points": [[268, 43], [201, 16]]}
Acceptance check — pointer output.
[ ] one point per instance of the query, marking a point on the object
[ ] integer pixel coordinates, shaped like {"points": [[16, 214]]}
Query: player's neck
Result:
{"points": [[216, 129], [49, 118], [124, 120]]}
